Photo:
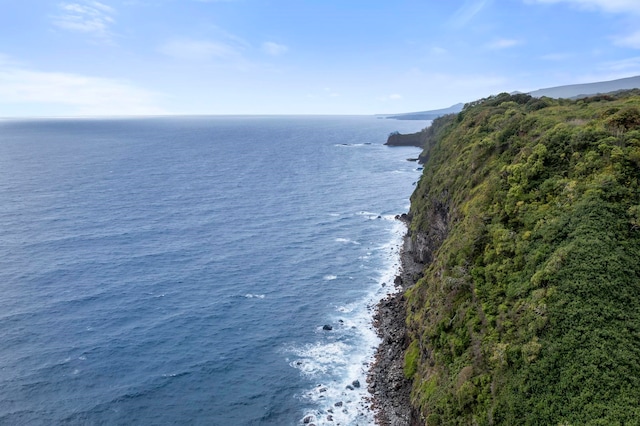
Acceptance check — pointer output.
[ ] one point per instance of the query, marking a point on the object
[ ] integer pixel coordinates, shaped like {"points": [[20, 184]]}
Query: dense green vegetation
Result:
{"points": [[529, 313]]}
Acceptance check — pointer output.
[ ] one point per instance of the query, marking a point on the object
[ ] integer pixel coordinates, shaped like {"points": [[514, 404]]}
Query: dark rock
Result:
{"points": [[330, 418], [405, 218], [356, 383], [350, 387], [327, 327], [338, 404], [307, 420], [410, 139]]}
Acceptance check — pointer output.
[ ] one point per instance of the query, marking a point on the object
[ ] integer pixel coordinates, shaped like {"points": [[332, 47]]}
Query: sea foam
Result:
{"points": [[339, 362]]}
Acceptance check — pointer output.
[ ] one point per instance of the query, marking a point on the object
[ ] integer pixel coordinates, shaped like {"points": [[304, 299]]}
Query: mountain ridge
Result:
{"points": [[571, 91]]}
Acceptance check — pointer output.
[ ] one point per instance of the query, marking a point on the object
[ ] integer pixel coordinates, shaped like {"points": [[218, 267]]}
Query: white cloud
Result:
{"points": [[557, 57], [436, 50], [612, 6], [502, 43], [331, 93], [274, 49], [199, 50], [626, 66], [467, 12], [631, 40], [72, 94], [461, 87], [89, 17], [392, 97]]}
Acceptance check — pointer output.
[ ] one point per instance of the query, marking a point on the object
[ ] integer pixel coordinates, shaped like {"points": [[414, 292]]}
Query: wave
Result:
{"points": [[339, 361], [254, 296], [347, 241]]}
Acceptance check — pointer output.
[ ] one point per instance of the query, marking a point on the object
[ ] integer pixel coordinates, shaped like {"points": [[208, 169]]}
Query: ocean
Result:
{"points": [[195, 270]]}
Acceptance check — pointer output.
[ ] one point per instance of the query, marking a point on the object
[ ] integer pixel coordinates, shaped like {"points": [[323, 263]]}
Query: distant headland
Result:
{"points": [[573, 91]]}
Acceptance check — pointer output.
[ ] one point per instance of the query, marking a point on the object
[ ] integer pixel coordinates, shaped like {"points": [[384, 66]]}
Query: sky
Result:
{"points": [[159, 57]]}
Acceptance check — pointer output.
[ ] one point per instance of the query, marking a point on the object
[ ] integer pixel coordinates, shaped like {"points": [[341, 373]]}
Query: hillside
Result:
{"points": [[588, 89], [527, 218], [569, 92], [426, 115]]}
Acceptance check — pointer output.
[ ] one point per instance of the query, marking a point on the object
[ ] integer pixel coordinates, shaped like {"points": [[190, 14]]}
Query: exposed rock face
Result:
{"points": [[436, 221], [410, 139]]}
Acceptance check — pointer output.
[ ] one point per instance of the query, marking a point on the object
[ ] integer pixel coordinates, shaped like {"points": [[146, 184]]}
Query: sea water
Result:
{"points": [[182, 270]]}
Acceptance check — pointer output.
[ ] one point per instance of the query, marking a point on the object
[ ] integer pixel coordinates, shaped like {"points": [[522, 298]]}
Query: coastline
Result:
{"points": [[389, 388]]}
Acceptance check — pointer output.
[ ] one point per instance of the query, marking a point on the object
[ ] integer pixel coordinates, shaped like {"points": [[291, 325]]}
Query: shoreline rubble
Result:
{"points": [[389, 388]]}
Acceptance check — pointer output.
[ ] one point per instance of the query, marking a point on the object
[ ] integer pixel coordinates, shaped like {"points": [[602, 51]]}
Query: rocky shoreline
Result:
{"points": [[390, 389]]}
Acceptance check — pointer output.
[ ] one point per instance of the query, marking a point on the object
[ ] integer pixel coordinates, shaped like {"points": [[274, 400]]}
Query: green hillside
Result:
{"points": [[528, 217]]}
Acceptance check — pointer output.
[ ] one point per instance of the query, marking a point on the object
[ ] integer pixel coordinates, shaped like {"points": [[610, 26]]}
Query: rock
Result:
{"points": [[338, 404], [330, 418], [307, 420], [390, 389], [327, 327], [350, 387], [411, 139], [356, 383], [322, 390]]}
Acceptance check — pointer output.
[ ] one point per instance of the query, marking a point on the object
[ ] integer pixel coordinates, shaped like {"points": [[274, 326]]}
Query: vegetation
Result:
{"points": [[529, 313]]}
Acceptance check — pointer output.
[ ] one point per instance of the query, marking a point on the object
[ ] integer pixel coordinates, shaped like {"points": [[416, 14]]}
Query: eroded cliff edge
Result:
{"points": [[522, 304], [388, 382]]}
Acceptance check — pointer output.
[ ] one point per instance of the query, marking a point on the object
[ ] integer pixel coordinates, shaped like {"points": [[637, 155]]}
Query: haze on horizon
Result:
{"points": [[152, 57]]}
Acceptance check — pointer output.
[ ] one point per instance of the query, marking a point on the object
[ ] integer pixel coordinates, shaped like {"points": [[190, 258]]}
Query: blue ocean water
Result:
{"points": [[180, 270]]}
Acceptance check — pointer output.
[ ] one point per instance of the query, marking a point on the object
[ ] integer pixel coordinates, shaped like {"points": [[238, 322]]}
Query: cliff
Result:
{"points": [[408, 139], [527, 307]]}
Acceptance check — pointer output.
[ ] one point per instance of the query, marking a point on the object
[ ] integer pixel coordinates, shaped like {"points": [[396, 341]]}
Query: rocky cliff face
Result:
{"points": [[409, 139], [423, 242]]}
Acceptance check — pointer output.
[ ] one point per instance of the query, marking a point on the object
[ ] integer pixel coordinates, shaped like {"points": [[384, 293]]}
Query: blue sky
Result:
{"points": [[147, 57]]}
